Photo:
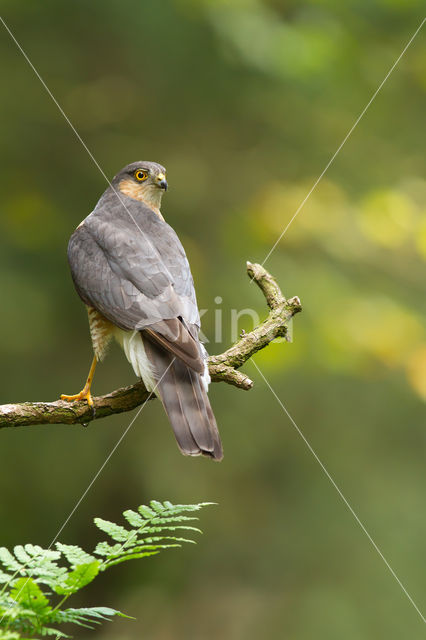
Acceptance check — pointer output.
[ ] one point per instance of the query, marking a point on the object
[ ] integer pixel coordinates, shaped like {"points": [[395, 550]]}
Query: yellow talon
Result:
{"points": [[85, 392], [83, 395]]}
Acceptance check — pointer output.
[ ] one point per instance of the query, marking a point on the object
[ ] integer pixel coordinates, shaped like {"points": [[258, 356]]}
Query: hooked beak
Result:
{"points": [[161, 181]]}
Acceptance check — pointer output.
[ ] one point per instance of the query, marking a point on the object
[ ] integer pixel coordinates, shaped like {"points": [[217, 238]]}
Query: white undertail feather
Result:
{"points": [[205, 378], [132, 344]]}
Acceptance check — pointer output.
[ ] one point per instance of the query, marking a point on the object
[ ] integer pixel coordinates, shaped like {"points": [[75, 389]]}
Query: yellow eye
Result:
{"points": [[141, 175]]}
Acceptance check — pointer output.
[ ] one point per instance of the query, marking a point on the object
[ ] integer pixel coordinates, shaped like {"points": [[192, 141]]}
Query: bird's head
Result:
{"points": [[143, 181]]}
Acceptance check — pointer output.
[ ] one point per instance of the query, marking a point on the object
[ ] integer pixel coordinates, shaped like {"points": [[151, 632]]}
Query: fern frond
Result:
{"points": [[50, 631], [130, 556], [86, 616], [75, 555], [160, 539], [115, 531], [176, 509], [106, 550], [169, 527], [34, 562], [9, 561], [12, 635], [77, 579], [21, 554], [151, 531], [13, 611], [134, 519], [27, 593], [36, 551], [26, 609], [5, 577]]}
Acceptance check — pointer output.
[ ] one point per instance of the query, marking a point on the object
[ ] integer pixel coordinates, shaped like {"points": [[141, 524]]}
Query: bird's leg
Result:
{"points": [[85, 392]]}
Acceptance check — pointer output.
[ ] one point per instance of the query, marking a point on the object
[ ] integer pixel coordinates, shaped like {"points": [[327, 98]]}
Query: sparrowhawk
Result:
{"points": [[130, 269]]}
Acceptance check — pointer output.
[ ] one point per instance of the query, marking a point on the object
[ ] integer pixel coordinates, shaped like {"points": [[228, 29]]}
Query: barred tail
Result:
{"points": [[185, 400]]}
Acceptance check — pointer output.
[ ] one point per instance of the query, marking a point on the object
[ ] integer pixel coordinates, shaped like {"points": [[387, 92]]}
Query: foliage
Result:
{"points": [[33, 576]]}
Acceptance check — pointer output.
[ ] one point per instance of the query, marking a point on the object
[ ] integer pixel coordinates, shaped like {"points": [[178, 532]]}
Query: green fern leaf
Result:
{"points": [[38, 552], [21, 554], [159, 539], [79, 578], [5, 577], [8, 560], [150, 530], [6, 603], [86, 616], [75, 555], [173, 519], [134, 519], [27, 593], [130, 556], [116, 531], [26, 609], [146, 512], [12, 635], [159, 507], [176, 509], [49, 631], [106, 550], [34, 562]]}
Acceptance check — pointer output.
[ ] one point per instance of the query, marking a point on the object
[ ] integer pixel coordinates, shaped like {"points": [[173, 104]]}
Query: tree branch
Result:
{"points": [[222, 368]]}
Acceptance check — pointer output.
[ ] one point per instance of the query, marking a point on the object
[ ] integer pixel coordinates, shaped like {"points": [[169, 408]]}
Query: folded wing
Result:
{"points": [[138, 277]]}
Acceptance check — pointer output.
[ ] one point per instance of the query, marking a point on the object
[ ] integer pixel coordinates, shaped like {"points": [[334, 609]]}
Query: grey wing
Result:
{"points": [[143, 249], [98, 285], [133, 277], [139, 279]]}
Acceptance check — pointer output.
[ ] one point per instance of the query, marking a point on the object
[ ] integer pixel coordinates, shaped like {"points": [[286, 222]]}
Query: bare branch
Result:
{"points": [[223, 368]]}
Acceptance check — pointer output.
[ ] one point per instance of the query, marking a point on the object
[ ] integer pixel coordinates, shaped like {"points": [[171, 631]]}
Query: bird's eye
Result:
{"points": [[141, 175]]}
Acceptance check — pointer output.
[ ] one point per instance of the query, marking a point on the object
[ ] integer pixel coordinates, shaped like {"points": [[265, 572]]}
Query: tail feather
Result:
{"points": [[186, 403], [173, 336], [214, 443], [193, 405]]}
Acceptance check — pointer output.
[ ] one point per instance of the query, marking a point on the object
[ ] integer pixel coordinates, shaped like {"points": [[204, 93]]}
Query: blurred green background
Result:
{"points": [[244, 102]]}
